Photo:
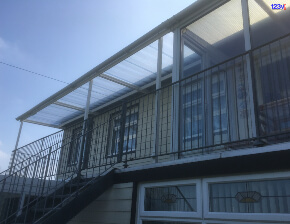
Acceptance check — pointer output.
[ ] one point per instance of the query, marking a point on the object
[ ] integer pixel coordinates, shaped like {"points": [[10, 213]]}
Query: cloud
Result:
{"points": [[10, 52], [4, 159], [3, 44]]}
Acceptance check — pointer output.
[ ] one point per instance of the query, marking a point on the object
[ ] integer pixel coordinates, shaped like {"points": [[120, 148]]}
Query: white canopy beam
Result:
{"points": [[121, 82], [41, 123], [68, 106]]}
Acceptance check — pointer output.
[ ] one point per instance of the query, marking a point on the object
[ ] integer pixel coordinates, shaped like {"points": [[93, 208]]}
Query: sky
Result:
{"points": [[62, 39]]}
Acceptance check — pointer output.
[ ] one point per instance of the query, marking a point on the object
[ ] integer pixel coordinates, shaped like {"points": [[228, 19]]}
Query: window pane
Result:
{"points": [[173, 198], [75, 146], [269, 196], [130, 132]]}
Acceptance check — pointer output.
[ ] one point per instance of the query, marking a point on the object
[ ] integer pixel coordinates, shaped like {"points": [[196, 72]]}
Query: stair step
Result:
{"points": [[44, 209], [80, 184]]}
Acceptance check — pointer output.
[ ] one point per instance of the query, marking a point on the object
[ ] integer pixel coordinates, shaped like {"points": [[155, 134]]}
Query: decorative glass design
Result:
{"points": [[171, 198], [248, 197]]}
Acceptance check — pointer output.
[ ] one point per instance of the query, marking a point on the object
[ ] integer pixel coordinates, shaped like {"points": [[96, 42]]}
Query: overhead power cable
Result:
{"points": [[26, 70], [48, 77]]}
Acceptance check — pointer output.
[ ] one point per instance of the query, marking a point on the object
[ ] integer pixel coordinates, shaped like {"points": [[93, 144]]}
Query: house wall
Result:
{"points": [[99, 158], [113, 206]]}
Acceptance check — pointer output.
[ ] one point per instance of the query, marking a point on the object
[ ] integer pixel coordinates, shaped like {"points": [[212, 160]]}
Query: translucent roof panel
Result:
{"points": [[138, 69], [167, 54], [206, 38], [213, 38], [54, 115], [104, 91], [127, 76], [77, 97], [263, 17]]}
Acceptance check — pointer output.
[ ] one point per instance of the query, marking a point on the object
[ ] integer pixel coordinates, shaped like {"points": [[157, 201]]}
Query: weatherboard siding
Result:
{"points": [[113, 206]]}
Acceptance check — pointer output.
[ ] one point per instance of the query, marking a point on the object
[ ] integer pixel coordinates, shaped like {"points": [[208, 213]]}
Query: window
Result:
{"points": [[216, 106], [170, 198], [266, 196], [75, 146], [205, 111], [251, 197], [256, 198], [193, 102], [168, 201], [129, 133]]}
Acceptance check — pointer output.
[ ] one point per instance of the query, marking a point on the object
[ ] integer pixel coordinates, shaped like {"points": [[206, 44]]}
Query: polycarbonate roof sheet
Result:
{"points": [[104, 91], [138, 69], [167, 54], [55, 115], [220, 23], [268, 24], [77, 97]]}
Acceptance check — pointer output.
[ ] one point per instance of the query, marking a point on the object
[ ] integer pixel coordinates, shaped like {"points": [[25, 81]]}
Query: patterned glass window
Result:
{"points": [[266, 196], [171, 198]]}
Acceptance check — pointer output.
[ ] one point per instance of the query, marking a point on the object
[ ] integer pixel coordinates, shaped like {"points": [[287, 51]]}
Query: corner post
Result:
{"points": [[250, 71], [157, 99], [121, 135], [175, 92], [82, 149]]}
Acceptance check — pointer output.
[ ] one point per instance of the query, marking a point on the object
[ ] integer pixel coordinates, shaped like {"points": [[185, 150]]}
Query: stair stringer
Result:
{"points": [[83, 199]]}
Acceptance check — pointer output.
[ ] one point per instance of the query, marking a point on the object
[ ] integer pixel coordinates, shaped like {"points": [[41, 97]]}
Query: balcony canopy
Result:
{"points": [[134, 68], [129, 71]]}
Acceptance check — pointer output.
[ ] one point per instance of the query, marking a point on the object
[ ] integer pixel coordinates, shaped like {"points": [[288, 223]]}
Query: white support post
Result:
{"points": [[157, 99], [82, 145], [16, 146], [88, 100], [175, 92], [248, 47]]}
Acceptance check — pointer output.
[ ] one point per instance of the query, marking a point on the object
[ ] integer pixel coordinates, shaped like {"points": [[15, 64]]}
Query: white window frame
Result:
{"points": [[117, 115], [143, 215], [242, 216]]}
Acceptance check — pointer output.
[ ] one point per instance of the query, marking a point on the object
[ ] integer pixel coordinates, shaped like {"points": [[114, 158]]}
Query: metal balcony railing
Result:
{"points": [[229, 106]]}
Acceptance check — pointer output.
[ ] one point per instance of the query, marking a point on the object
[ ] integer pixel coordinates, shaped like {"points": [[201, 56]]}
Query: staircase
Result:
{"points": [[35, 190], [63, 204]]}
